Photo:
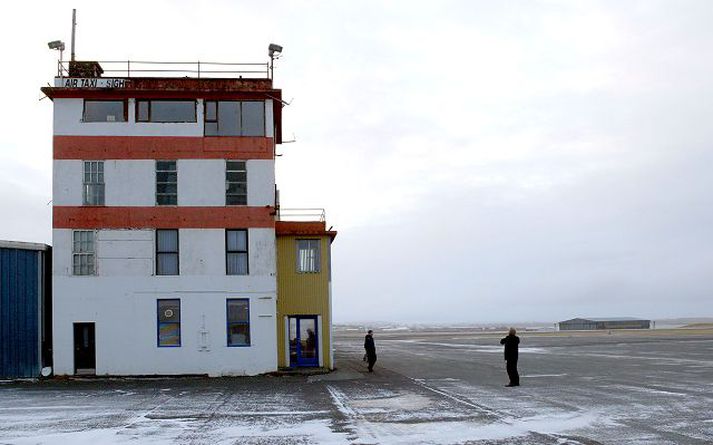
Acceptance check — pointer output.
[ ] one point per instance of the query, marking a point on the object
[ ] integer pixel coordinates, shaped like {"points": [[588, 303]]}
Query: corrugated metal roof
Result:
{"points": [[22, 245]]}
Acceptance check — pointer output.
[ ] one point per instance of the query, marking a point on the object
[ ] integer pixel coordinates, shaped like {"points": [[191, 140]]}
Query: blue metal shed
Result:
{"points": [[25, 306]]}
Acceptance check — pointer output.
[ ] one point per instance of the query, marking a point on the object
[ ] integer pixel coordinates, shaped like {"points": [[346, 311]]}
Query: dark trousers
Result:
{"points": [[511, 366], [371, 359]]}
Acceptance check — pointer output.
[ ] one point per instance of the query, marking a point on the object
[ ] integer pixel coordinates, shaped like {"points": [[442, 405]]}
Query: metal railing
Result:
{"points": [[307, 214], [137, 68]]}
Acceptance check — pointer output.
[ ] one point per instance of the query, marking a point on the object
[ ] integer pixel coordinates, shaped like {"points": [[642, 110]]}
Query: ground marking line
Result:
{"points": [[457, 399], [338, 397], [144, 415], [508, 420]]}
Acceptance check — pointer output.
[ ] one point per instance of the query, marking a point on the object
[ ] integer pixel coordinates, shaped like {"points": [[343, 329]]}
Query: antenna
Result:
{"points": [[74, 28]]}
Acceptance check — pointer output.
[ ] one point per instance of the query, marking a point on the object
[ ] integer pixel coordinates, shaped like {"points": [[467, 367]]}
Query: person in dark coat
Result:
{"points": [[370, 350], [511, 343]]}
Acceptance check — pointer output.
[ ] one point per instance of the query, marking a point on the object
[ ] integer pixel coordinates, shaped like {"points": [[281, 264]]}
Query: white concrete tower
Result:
{"points": [[163, 224]]}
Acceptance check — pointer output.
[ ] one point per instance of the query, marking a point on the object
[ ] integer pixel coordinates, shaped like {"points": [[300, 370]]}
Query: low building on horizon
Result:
{"points": [[593, 324]]}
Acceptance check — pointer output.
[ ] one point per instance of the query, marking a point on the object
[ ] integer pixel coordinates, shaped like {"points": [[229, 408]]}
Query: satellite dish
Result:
{"points": [[46, 371]]}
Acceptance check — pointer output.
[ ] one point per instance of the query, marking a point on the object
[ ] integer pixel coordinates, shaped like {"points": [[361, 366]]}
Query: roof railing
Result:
{"points": [[142, 68], [304, 214]]}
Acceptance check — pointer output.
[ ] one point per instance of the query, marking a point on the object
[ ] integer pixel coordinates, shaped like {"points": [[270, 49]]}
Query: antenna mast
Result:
{"points": [[74, 28]]}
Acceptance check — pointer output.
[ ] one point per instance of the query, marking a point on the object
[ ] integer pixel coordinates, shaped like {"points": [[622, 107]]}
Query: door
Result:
{"points": [[304, 341], [84, 349]]}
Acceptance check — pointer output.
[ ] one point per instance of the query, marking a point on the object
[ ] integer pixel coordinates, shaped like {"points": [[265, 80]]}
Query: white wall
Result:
{"points": [[68, 122], [201, 182], [261, 182], [67, 182], [124, 310], [121, 252], [126, 328], [129, 182], [201, 252]]}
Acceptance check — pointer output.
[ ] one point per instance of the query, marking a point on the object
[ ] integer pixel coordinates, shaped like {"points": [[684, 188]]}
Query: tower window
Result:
{"points": [[167, 252], [104, 111], [166, 183], [165, 110], [234, 118], [93, 183], [236, 183], [307, 255]]}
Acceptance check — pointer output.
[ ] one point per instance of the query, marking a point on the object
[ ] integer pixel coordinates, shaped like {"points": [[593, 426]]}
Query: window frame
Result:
{"points": [[210, 121], [150, 112], [99, 184], [228, 323], [318, 255], [246, 252], [227, 182], [216, 120], [81, 253], [159, 323], [125, 115], [157, 171], [177, 253]]}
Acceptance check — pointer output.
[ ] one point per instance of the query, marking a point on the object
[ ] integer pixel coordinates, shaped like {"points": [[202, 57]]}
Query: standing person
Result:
{"points": [[370, 349], [511, 343]]}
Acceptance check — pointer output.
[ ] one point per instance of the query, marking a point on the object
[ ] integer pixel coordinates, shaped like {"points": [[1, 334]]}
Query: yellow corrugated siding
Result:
{"points": [[302, 293]]}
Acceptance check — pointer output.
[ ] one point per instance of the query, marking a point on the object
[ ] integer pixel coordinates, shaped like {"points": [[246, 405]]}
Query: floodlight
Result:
{"points": [[56, 44], [274, 49]]}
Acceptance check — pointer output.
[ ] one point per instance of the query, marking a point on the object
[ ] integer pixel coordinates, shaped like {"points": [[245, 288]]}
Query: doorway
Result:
{"points": [[304, 341], [85, 357]]}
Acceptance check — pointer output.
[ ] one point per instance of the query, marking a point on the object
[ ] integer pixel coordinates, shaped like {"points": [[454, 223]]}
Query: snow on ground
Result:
{"points": [[424, 391]]}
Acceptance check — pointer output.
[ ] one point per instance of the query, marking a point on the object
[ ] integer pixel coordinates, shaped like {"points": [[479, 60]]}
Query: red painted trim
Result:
{"points": [[162, 147], [66, 217], [118, 94], [303, 228]]}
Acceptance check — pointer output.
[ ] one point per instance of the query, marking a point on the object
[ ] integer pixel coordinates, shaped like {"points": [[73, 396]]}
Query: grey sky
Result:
{"points": [[481, 160]]}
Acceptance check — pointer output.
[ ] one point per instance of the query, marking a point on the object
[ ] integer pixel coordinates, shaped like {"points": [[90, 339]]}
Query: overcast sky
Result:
{"points": [[482, 160]]}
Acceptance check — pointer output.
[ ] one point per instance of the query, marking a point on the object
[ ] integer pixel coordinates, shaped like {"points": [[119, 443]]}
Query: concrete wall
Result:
{"points": [[201, 182], [125, 316], [201, 252], [121, 300]]}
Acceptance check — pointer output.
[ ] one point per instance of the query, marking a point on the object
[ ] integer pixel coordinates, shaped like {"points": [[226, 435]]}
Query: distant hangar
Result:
{"points": [[591, 324]]}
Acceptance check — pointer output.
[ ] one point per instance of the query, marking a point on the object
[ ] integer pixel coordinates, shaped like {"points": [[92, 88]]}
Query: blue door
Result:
{"points": [[304, 341]]}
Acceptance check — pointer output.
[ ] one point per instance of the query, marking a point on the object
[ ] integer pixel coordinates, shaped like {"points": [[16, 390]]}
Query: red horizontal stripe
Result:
{"points": [[162, 147], [303, 228], [66, 217], [118, 94]]}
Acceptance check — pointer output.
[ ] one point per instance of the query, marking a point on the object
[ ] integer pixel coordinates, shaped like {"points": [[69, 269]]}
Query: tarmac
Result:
{"points": [[439, 386]]}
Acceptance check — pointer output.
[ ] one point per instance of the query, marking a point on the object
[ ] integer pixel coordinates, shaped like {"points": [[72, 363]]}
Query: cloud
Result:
{"points": [[481, 160]]}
